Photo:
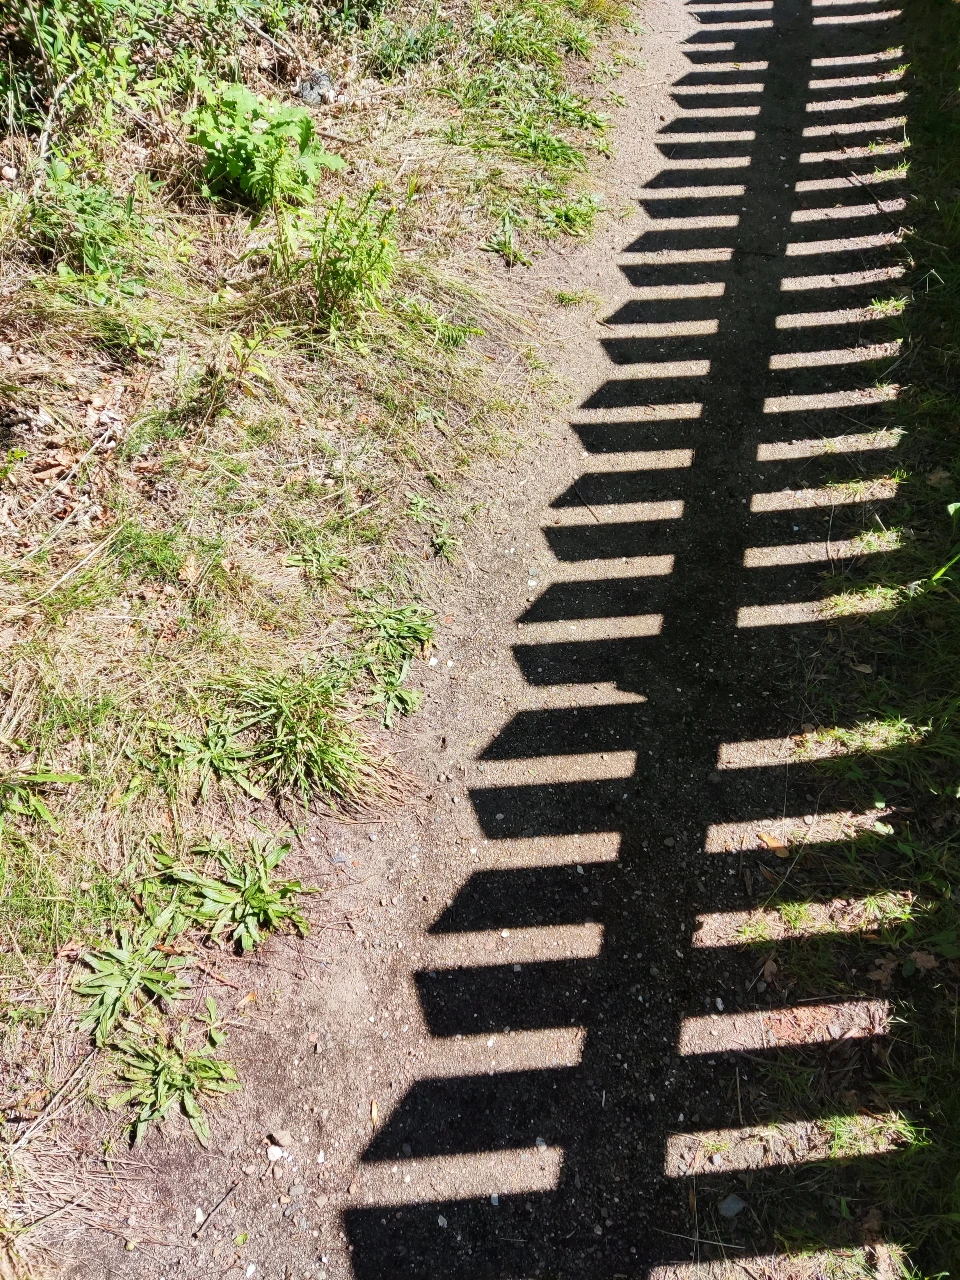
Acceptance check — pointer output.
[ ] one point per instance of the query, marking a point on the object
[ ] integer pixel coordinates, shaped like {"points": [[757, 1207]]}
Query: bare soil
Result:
{"points": [[477, 1063]]}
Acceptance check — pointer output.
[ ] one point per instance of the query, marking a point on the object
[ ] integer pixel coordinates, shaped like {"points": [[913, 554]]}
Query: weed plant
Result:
{"points": [[258, 149], [244, 900], [302, 747], [21, 797], [162, 1074], [127, 975], [246, 325]]}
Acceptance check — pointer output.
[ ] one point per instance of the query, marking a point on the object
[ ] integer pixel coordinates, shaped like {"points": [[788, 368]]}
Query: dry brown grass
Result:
{"points": [[199, 484]]}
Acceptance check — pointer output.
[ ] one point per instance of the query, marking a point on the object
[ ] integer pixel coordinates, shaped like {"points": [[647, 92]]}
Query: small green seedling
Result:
{"points": [[504, 242], [243, 901], [388, 692], [162, 1074], [128, 975]]}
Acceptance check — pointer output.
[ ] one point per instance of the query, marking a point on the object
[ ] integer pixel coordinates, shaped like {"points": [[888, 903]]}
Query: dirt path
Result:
{"points": [[494, 1074]]}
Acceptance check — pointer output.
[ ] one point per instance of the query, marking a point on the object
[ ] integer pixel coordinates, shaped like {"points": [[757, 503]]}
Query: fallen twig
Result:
{"points": [[576, 490], [101, 546], [258, 31], [219, 1205], [46, 1114]]}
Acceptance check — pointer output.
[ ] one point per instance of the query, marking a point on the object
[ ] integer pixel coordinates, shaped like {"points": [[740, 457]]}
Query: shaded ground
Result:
{"points": [[503, 1062]]}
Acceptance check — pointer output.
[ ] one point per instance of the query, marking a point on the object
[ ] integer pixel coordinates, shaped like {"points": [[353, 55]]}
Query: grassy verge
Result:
{"points": [[248, 349], [892, 679]]}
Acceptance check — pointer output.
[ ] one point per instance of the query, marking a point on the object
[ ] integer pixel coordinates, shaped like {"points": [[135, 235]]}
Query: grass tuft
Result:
{"points": [[301, 745]]}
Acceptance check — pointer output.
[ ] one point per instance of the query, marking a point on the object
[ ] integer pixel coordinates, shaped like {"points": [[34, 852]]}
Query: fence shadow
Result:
{"points": [[736, 455]]}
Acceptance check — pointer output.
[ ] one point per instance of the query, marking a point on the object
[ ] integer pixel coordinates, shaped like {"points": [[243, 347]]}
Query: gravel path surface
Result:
{"points": [[493, 1071]]}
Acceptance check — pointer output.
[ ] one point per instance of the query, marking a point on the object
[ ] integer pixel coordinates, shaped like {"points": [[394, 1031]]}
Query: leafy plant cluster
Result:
{"points": [[258, 149], [393, 636], [88, 234], [216, 894], [93, 52], [166, 1073]]}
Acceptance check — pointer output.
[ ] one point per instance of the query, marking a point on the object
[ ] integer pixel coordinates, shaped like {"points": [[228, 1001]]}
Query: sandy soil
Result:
{"points": [[478, 1065]]}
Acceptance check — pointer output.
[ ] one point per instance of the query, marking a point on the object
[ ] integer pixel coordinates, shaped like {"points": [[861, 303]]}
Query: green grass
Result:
{"points": [[253, 333], [755, 930], [852, 1136], [795, 915], [890, 678], [302, 747]]}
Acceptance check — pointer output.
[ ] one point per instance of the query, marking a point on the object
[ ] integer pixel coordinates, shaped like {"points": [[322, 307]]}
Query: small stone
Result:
{"points": [[297, 1190], [407, 1149], [714, 778], [274, 1153], [317, 88], [10, 172], [249, 1170], [442, 1220], [282, 1137], [730, 1207], [669, 842], [321, 1199], [6, 353]]}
